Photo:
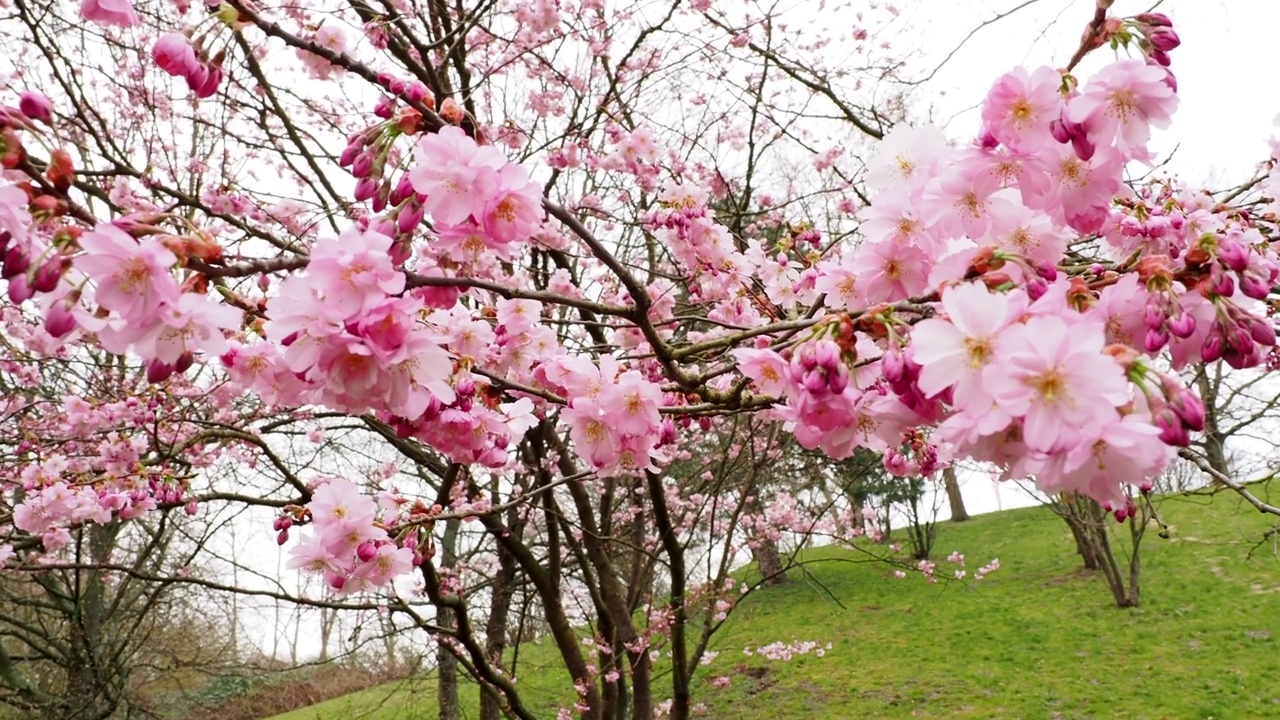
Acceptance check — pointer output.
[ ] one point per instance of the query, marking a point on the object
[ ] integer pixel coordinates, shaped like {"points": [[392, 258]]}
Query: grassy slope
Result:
{"points": [[1034, 640]]}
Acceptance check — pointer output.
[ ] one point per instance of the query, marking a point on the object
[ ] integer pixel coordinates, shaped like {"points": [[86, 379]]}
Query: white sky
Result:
{"points": [[1223, 68]]}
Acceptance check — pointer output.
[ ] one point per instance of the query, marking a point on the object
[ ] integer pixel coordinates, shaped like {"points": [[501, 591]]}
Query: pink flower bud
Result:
{"points": [[1172, 431], [282, 537], [208, 85], [1183, 325], [1153, 315], [173, 54], [363, 165], [1211, 351], [409, 218], [1222, 284], [36, 106], [1036, 288], [49, 274], [893, 365], [1058, 128], [367, 551], [365, 189], [385, 108], [20, 289], [380, 201], [1233, 254], [1254, 287], [1189, 408], [415, 91], [350, 153], [335, 580], [838, 381], [59, 322], [1240, 339], [158, 372], [1154, 19], [16, 262], [1164, 40], [1155, 339], [1262, 331]]}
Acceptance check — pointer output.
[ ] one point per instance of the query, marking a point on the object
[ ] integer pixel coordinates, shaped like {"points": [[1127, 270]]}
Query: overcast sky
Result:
{"points": [[1224, 68]]}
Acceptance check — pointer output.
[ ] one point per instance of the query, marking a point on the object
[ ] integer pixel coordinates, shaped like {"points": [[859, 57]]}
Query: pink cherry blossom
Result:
{"points": [[1121, 103], [1055, 374], [1020, 107], [109, 12], [953, 352], [132, 276]]}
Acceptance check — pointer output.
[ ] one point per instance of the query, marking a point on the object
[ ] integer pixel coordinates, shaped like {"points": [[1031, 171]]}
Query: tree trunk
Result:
{"points": [[495, 644], [446, 663], [764, 550], [954, 498]]}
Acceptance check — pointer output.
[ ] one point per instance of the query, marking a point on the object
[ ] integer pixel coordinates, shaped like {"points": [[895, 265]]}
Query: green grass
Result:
{"points": [[1037, 639]]}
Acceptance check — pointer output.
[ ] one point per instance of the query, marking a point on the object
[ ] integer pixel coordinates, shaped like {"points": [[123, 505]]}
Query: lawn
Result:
{"points": [[1036, 639]]}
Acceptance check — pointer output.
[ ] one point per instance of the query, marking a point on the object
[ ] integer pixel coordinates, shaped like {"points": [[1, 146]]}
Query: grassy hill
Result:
{"points": [[1037, 639]]}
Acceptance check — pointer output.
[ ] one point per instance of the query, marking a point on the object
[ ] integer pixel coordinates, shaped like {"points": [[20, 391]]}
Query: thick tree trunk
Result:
{"points": [[769, 560], [954, 498], [764, 550]]}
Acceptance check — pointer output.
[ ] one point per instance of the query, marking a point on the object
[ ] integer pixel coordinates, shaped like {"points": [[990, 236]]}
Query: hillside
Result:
{"points": [[1037, 639]]}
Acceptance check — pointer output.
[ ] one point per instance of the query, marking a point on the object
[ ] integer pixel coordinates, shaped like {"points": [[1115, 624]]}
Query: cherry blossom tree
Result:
{"points": [[528, 256]]}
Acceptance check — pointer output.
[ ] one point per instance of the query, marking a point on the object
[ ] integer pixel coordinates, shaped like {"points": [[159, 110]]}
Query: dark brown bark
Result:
{"points": [[504, 590], [446, 662], [955, 498], [769, 561]]}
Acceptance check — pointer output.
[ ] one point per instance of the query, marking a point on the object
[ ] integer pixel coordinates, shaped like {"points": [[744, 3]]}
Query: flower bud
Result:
{"points": [[36, 106], [1155, 339], [362, 167], [1154, 19], [16, 262], [1152, 315], [158, 372], [1189, 408], [367, 551], [365, 189], [20, 289], [893, 365], [1164, 40], [1172, 431], [1254, 287], [1233, 254], [49, 274], [1183, 325], [1222, 284], [1211, 351], [59, 322], [1262, 331]]}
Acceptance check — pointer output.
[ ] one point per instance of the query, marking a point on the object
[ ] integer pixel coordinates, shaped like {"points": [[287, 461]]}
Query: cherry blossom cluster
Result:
{"points": [[83, 463], [349, 547], [1043, 375]]}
